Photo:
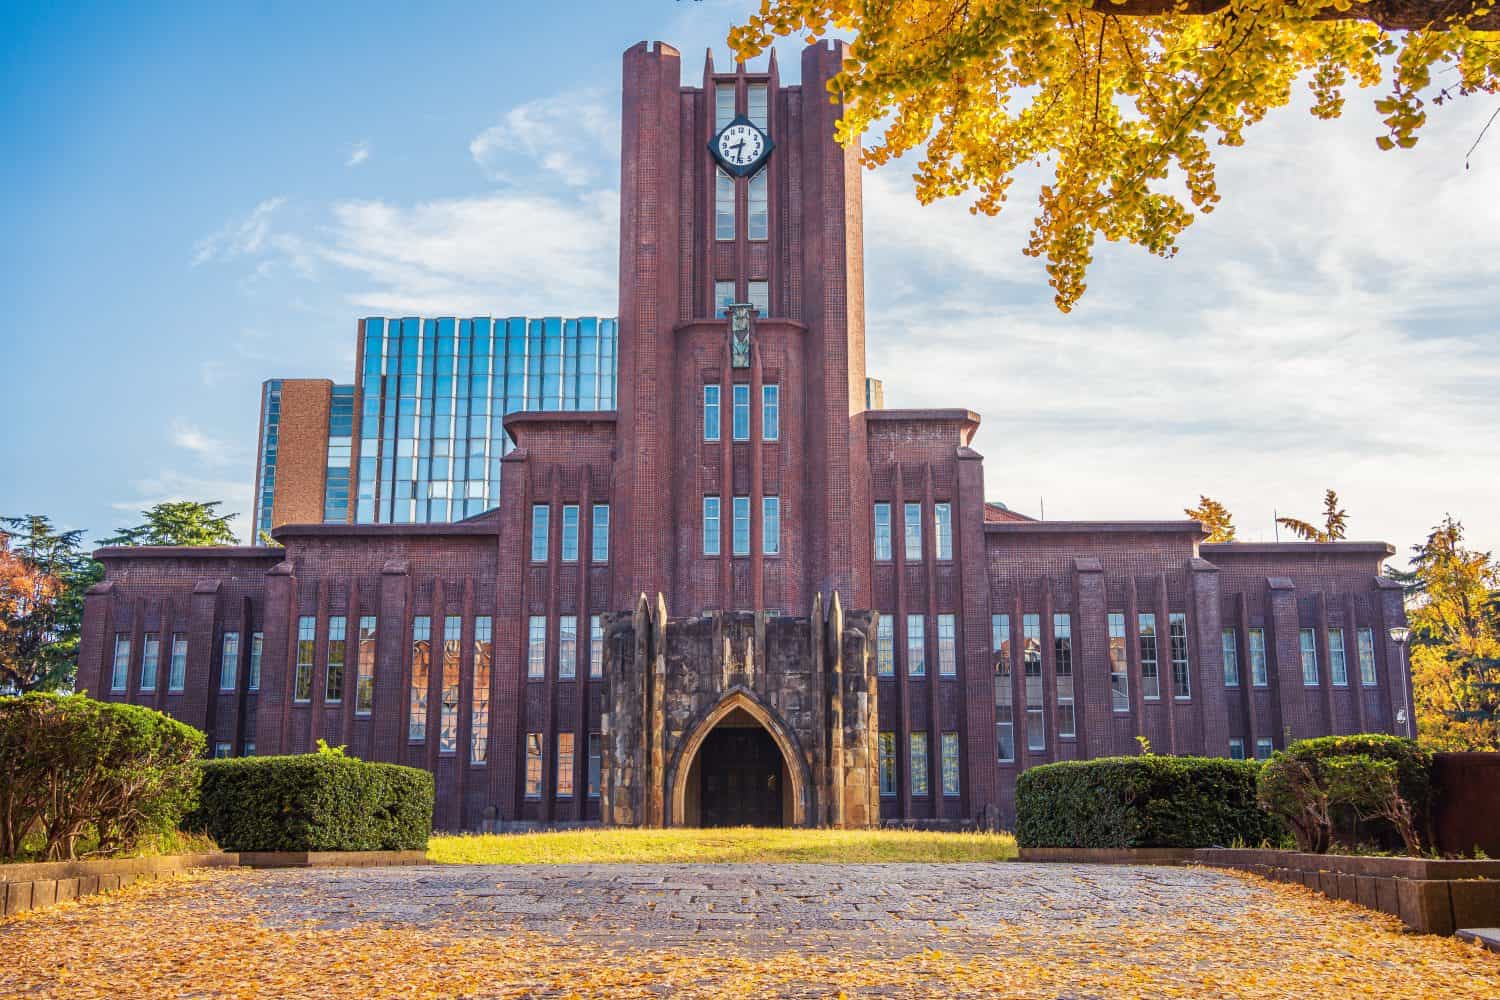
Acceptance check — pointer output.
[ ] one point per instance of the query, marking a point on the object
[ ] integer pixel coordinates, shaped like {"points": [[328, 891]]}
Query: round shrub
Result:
{"points": [[1145, 801], [76, 773]]}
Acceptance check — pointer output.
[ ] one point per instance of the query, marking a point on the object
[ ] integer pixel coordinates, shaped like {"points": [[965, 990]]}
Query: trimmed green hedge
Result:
{"points": [[1146, 801], [1296, 776], [314, 802]]}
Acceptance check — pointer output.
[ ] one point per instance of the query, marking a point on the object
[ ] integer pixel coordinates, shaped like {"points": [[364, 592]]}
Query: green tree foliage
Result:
{"points": [[39, 641], [179, 522], [75, 771], [1453, 606], [1215, 517], [1335, 522]]}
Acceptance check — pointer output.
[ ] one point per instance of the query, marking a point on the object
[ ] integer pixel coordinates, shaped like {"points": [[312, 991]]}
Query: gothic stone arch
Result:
{"points": [[744, 700]]}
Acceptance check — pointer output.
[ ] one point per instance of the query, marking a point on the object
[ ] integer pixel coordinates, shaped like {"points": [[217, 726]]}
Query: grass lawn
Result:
{"points": [[740, 844]]}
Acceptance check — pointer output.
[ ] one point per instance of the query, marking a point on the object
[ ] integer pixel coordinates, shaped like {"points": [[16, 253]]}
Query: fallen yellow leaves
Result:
{"points": [[200, 938]]}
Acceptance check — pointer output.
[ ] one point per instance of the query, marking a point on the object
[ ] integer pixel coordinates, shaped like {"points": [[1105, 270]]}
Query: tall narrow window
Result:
{"points": [[596, 763], [916, 646], [723, 206], [541, 518], [723, 105], [1338, 664], [723, 297], [1366, 638], [1236, 749], [1150, 675], [950, 764], [257, 643], [742, 526], [596, 646], [755, 106], [1177, 635], [479, 716], [222, 750], [710, 413], [1231, 660], [307, 634], [883, 532], [913, 516], [919, 764], [759, 208], [536, 647], [565, 765], [119, 675], [570, 532], [1005, 722], [942, 529], [333, 677], [886, 758], [1257, 644], [533, 765], [770, 412], [421, 661], [599, 537], [177, 668], [567, 647], [1307, 640], [1119, 664], [453, 630], [1264, 748], [741, 411], [885, 647], [150, 660], [759, 297], [1062, 664], [711, 529], [947, 646], [770, 525], [1031, 654], [364, 669]]}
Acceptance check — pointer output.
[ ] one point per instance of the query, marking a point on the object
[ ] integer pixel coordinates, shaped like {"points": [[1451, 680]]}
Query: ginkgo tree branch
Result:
{"points": [[1392, 15]]}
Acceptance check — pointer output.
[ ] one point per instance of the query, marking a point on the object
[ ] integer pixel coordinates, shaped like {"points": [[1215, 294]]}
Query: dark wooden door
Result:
{"points": [[740, 772]]}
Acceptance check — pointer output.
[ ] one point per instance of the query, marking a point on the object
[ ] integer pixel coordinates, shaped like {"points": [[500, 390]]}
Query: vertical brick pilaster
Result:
{"points": [[1285, 667], [280, 638], [392, 653], [1206, 649], [1092, 692], [978, 773]]}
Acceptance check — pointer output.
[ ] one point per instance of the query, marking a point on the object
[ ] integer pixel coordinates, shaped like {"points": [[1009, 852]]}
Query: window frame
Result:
{"points": [[919, 761], [713, 525], [570, 529], [942, 531], [712, 403], [333, 680], [599, 535], [884, 551], [1118, 654], [1177, 643], [952, 765], [739, 417], [1338, 658], [541, 530], [1255, 647], [947, 637], [302, 678], [770, 525], [740, 512], [1307, 649], [885, 646], [726, 221], [916, 645], [1062, 674], [770, 412], [1144, 620], [911, 531], [536, 647], [1229, 651]]}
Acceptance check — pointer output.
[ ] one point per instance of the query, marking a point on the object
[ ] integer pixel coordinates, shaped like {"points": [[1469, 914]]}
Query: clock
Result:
{"points": [[741, 147]]}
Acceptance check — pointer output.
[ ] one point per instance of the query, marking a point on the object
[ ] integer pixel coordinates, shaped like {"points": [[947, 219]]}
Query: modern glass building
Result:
{"points": [[419, 436]]}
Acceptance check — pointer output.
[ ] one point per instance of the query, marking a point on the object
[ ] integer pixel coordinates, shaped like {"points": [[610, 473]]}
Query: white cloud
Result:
{"points": [[246, 236], [573, 137], [205, 447], [359, 154], [1334, 323]]}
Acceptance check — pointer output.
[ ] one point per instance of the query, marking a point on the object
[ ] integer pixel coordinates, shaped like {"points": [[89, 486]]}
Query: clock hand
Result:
{"points": [[739, 146]]}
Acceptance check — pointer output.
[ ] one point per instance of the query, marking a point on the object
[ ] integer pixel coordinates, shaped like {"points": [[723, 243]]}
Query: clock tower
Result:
{"points": [[734, 191]]}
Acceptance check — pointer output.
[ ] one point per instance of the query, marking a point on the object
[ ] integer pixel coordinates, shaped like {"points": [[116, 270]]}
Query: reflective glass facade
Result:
{"points": [[434, 393], [270, 427], [340, 446]]}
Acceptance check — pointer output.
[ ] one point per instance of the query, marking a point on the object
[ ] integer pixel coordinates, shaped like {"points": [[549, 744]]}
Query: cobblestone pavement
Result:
{"points": [[902, 906]]}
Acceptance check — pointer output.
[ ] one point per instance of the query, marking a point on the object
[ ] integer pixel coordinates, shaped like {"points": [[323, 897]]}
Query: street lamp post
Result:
{"points": [[1399, 635]]}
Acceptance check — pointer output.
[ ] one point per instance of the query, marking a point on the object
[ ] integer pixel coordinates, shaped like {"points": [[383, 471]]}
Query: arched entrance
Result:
{"points": [[739, 768]]}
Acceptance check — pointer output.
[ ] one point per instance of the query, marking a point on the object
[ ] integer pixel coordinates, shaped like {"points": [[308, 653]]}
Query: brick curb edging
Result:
{"points": [[33, 886], [1430, 897]]}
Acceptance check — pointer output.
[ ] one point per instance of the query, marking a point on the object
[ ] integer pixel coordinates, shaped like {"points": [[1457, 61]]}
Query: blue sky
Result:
{"points": [[199, 197]]}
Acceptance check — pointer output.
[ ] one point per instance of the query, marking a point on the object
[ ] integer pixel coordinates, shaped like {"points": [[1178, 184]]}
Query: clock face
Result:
{"points": [[741, 147]]}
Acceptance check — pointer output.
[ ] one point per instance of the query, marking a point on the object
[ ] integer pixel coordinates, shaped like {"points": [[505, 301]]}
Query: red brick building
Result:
{"points": [[743, 595]]}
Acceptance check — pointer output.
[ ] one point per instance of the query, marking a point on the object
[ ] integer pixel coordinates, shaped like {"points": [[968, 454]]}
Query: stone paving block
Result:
{"points": [[17, 897], [1425, 905], [1476, 902]]}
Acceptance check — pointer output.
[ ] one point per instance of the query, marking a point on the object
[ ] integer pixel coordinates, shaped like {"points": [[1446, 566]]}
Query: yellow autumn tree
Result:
{"points": [[1119, 101], [1455, 641]]}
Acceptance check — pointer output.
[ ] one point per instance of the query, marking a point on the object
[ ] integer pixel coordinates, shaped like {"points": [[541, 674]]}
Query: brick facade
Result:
{"points": [[873, 672]]}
